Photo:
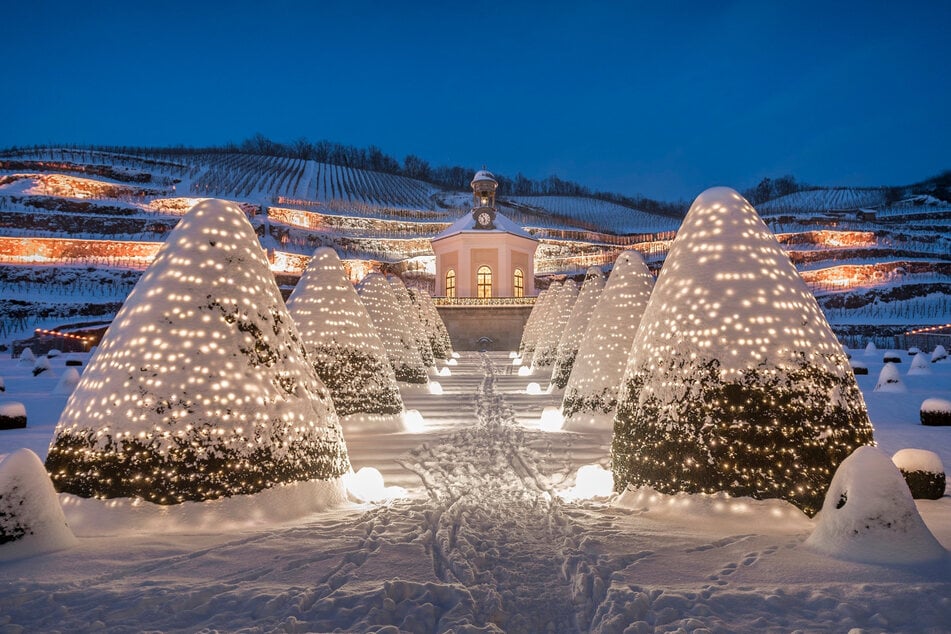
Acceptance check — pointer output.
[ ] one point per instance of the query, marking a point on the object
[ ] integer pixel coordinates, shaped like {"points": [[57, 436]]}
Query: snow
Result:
{"points": [[936, 405], [400, 345], [869, 515], [13, 409], [31, 518], [467, 224], [67, 382], [557, 313], [481, 540], [939, 354], [918, 460], [889, 380], [577, 325]]}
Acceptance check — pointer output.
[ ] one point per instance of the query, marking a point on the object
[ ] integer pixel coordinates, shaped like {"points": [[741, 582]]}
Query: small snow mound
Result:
{"points": [[14, 409], [453, 360], [918, 460], [513, 355], [939, 354], [889, 380], [31, 519], [525, 370], [516, 361], [870, 349], [54, 353], [592, 481], [455, 355], [919, 365], [445, 371], [67, 382], [533, 388], [435, 388], [869, 515], [27, 356], [366, 485]]}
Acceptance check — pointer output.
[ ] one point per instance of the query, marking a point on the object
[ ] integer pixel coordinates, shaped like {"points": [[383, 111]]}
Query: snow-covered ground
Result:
{"points": [[482, 540]]}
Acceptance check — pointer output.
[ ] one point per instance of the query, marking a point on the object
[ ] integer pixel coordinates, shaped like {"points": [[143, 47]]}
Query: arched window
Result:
{"points": [[518, 285], [450, 283], [484, 281]]}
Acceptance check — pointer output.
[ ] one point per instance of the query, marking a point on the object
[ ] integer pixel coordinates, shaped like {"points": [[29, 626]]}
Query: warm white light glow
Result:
{"points": [[551, 420]]}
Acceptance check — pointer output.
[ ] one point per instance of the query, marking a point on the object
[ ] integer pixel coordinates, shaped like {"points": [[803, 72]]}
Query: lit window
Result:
{"points": [[519, 285], [484, 281], [450, 283]]}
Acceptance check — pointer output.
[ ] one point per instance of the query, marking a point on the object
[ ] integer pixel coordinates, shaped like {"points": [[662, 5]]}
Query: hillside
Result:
{"points": [[78, 225]]}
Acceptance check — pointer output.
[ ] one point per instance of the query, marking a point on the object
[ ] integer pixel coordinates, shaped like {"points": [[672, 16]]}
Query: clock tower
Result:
{"points": [[483, 197]]}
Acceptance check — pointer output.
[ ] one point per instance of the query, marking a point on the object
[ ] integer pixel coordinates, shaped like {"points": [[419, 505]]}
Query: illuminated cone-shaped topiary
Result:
{"points": [[526, 347], [390, 323], [413, 323], [577, 325], [201, 387], [556, 318], [735, 381], [592, 392], [433, 325], [341, 340]]}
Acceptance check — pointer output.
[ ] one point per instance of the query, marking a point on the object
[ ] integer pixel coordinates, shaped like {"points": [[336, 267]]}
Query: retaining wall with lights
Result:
{"points": [[495, 328]]}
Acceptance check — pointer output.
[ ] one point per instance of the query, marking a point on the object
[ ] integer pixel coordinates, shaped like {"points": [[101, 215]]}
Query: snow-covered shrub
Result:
{"points": [[53, 353], [939, 354], [31, 518], [201, 387], [735, 381], [341, 341], [858, 367], [556, 318], [892, 356], [577, 325], [526, 347], [592, 391], [870, 349], [889, 380], [390, 323], [936, 412], [67, 383], [41, 365], [413, 323], [12, 415], [919, 365], [27, 356], [923, 472], [912, 351], [869, 515], [433, 325]]}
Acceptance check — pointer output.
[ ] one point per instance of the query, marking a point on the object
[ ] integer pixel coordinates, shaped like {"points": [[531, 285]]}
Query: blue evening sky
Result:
{"points": [[656, 98]]}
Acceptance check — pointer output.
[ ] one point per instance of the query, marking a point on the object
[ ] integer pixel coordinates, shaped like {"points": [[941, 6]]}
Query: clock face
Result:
{"points": [[484, 219]]}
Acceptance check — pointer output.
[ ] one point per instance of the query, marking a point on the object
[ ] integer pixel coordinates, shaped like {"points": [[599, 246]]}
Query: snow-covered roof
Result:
{"points": [[467, 224], [483, 175]]}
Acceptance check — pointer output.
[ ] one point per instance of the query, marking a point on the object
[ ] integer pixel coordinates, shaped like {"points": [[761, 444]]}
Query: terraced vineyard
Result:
{"points": [[108, 212]]}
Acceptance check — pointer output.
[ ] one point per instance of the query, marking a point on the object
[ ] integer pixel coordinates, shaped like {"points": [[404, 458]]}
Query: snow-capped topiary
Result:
{"points": [[592, 391], [341, 341], [735, 381], [858, 367], [12, 415], [556, 318], [939, 354], [869, 515], [433, 325], [936, 412], [577, 325], [41, 365], [892, 356], [870, 349], [526, 347], [889, 380], [201, 387], [390, 323], [411, 318], [923, 472], [67, 383], [919, 365], [31, 518], [27, 356]]}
